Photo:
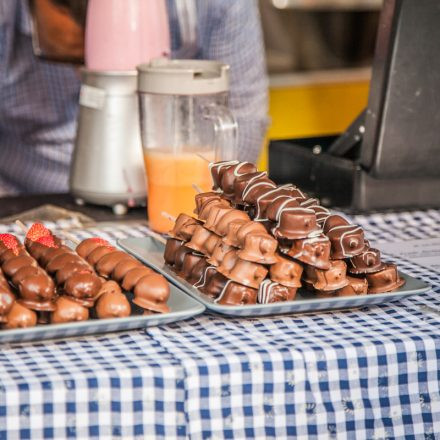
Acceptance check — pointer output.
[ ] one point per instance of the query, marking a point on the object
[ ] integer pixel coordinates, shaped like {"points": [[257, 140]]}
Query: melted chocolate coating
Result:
{"points": [[271, 292], [189, 262], [366, 262], [243, 182], [133, 276], [25, 272], [221, 227], [123, 267], [61, 260], [98, 253], [214, 287], [386, 280], [184, 227], [179, 257], [313, 250], [294, 223], [20, 317], [112, 303], [331, 279], [286, 272], [68, 311], [203, 198], [231, 174], [108, 262], [234, 294], [7, 299], [88, 245], [259, 248], [51, 253], [83, 285], [171, 248], [69, 269], [9, 253], [13, 265], [198, 271], [152, 292], [39, 287]]}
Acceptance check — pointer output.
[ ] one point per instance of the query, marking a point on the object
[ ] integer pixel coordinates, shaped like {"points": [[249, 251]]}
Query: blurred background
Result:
{"points": [[319, 54]]}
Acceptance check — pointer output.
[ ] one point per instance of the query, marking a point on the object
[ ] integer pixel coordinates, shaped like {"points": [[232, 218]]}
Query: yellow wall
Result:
{"points": [[313, 109]]}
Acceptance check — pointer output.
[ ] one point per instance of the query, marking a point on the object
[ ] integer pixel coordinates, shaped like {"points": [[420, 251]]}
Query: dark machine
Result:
{"points": [[389, 157]]}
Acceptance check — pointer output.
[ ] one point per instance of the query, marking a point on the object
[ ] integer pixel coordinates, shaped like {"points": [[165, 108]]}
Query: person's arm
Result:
{"points": [[236, 39]]}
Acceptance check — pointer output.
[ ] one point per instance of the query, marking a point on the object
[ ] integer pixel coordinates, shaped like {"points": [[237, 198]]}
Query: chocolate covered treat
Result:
{"points": [[346, 240], [246, 273], [205, 209], [366, 262], [123, 267], [179, 257], [24, 272], [211, 243], [90, 244], [228, 262], [231, 235], [215, 285], [20, 317], [259, 248], [152, 292], [51, 253], [203, 198], [132, 277], [98, 253], [231, 174], [83, 288], [234, 294], [68, 311], [242, 183], [271, 292], [105, 265], [112, 303], [294, 223], [253, 191], [355, 286], [313, 250], [245, 230], [37, 292], [62, 260], [197, 271], [184, 227], [208, 273], [218, 253], [171, 247], [189, 262], [197, 242], [286, 272], [276, 205], [7, 299], [268, 197], [333, 278], [215, 215], [386, 280], [234, 215], [11, 266], [217, 169], [69, 269]]}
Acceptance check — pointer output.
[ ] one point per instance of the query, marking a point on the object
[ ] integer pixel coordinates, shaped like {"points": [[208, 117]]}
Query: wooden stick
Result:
{"points": [[203, 157], [22, 226], [156, 236], [168, 216], [197, 188], [70, 237]]}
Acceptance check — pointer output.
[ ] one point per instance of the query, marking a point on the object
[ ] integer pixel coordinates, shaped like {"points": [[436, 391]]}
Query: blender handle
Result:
{"points": [[225, 131]]}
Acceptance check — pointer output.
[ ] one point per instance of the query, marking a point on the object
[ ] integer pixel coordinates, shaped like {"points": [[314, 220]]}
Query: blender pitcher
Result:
{"points": [[185, 124]]}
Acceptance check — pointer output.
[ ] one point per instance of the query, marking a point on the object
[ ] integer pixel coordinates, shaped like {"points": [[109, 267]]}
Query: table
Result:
{"points": [[371, 373]]}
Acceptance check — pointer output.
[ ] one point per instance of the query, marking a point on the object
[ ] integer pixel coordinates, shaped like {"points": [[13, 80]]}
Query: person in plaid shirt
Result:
{"points": [[39, 99]]}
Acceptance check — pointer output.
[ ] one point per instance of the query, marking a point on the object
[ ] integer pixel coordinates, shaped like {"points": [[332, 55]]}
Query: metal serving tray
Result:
{"points": [[150, 251], [181, 307]]}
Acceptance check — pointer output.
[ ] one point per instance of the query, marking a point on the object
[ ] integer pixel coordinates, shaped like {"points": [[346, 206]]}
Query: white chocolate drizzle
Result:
{"points": [[350, 229], [249, 188], [219, 166], [262, 196], [265, 291], [223, 291], [237, 169], [202, 280]]}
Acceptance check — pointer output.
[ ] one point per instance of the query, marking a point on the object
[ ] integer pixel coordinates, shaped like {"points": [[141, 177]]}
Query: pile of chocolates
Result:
{"points": [[44, 281], [256, 242]]}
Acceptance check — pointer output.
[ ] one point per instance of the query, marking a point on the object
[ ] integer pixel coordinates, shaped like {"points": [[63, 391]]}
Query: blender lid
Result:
{"points": [[183, 77]]}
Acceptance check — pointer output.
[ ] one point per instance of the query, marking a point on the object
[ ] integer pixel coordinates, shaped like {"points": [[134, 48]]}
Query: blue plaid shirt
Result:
{"points": [[39, 100]]}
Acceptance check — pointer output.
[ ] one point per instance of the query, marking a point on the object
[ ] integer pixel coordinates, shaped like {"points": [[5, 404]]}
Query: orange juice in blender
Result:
{"points": [[170, 184]]}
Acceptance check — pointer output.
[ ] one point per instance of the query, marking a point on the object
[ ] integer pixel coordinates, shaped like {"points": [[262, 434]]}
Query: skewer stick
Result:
{"points": [[168, 216], [22, 226], [203, 157], [70, 237], [156, 236], [197, 188]]}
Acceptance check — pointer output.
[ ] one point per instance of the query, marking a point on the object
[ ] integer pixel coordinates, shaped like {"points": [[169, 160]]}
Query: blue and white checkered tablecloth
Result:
{"points": [[362, 374]]}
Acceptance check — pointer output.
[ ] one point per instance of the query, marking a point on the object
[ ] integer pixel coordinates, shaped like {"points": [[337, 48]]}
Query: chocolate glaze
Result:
{"points": [[253, 191], [152, 292], [60, 261], [123, 267], [209, 204], [386, 280], [69, 269], [83, 286], [248, 229], [180, 255], [189, 262], [88, 245], [218, 253], [356, 286], [171, 248], [108, 262], [228, 262], [367, 262], [247, 273], [259, 248], [286, 272], [231, 174], [231, 235], [197, 242], [234, 294], [215, 285], [346, 240], [215, 215], [10, 253], [68, 311], [133, 276], [278, 203], [208, 273], [268, 197], [112, 303], [51, 253], [20, 317], [98, 253], [38, 288], [221, 227], [203, 198], [24, 272], [211, 243], [217, 169], [7, 299], [11, 266], [243, 182], [333, 278], [198, 271], [313, 250], [184, 227], [294, 223], [271, 292]]}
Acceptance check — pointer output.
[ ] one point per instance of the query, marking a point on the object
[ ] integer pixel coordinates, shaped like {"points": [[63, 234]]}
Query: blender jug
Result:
{"points": [[185, 124]]}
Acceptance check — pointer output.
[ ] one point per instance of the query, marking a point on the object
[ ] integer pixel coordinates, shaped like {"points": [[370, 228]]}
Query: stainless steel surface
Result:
{"points": [[107, 166], [182, 307], [150, 252]]}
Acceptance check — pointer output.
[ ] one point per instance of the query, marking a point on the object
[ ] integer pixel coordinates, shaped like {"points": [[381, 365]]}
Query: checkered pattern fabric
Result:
{"points": [[371, 373]]}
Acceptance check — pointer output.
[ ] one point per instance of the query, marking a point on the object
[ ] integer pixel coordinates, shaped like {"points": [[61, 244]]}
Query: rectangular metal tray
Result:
{"points": [[181, 307], [150, 251]]}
